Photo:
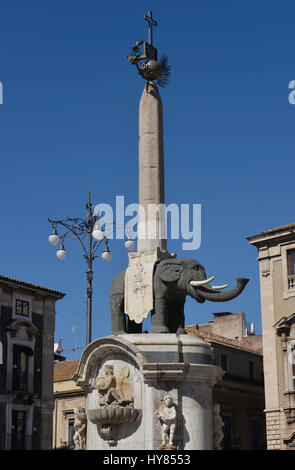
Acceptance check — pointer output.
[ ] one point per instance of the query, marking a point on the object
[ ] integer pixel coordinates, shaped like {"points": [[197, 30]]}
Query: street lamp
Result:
{"points": [[61, 252], [53, 238], [129, 244], [78, 229]]}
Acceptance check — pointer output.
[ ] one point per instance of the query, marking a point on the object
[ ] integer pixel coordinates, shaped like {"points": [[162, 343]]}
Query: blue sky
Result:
{"points": [[69, 123]]}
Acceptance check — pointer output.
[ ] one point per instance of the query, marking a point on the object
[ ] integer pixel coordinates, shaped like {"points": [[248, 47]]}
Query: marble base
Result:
{"points": [[145, 368]]}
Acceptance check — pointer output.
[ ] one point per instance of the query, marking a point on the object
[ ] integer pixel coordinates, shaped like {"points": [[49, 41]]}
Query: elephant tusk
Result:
{"points": [[201, 283], [219, 287]]}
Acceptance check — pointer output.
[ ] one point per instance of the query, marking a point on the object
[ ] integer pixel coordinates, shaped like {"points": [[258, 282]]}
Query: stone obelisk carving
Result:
{"points": [[151, 224]]}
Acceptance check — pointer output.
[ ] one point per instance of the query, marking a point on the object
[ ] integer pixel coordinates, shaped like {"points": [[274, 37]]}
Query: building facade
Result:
{"points": [[276, 257], [27, 319], [67, 398], [238, 351]]}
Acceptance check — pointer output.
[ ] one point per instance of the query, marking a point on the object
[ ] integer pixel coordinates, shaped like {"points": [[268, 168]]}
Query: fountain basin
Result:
{"points": [[112, 415]]}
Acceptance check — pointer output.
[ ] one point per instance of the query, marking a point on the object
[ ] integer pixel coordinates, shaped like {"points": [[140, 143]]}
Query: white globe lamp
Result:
{"points": [[97, 232], [129, 244], [106, 255], [53, 238], [61, 253]]}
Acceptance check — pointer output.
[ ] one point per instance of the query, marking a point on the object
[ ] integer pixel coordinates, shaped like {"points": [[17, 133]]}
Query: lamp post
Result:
{"points": [[81, 229]]}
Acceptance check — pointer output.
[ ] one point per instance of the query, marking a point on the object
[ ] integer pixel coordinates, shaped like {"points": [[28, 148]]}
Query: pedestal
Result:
{"points": [[144, 390]]}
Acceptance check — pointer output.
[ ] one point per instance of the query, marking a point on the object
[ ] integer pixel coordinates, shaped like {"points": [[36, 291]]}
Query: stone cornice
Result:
{"points": [[182, 371], [273, 235], [283, 325]]}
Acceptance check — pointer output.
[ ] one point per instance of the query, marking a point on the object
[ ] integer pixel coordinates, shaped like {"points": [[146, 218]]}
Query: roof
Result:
{"points": [[28, 285], [283, 231], [277, 229], [210, 337], [65, 370]]}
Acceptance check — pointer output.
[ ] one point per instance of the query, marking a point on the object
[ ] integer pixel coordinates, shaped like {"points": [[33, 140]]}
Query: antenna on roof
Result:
{"points": [[58, 347], [75, 333]]}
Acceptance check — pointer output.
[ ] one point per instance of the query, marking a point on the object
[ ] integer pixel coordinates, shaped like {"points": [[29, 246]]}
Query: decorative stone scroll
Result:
{"points": [[167, 417]]}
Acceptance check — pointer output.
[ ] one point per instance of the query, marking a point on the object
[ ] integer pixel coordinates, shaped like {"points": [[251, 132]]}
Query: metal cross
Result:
{"points": [[149, 18]]}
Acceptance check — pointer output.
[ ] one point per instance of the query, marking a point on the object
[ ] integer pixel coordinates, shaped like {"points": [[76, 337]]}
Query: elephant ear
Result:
{"points": [[171, 272]]}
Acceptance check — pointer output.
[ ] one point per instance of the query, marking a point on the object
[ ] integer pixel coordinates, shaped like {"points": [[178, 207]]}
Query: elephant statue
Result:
{"points": [[174, 279]]}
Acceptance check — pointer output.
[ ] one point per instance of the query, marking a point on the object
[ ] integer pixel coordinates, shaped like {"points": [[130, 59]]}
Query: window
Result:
{"points": [[71, 432], [255, 433], [291, 268], [20, 368], [227, 432], [288, 270], [223, 361], [22, 307], [251, 370], [291, 262], [18, 430], [292, 357]]}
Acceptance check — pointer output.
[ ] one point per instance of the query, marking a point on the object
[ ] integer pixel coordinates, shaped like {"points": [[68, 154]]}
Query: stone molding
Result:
{"points": [[134, 349], [182, 371], [98, 350]]}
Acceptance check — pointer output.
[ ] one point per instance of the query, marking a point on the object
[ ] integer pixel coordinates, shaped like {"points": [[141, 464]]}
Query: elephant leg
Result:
{"points": [[176, 318], [134, 327], [117, 314], [160, 316]]}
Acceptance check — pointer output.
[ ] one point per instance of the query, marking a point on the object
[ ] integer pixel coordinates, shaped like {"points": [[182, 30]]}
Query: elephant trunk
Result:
{"points": [[207, 293]]}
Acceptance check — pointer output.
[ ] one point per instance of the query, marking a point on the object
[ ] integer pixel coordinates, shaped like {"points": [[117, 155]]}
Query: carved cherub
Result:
{"points": [[111, 390], [167, 417], [217, 428], [80, 426]]}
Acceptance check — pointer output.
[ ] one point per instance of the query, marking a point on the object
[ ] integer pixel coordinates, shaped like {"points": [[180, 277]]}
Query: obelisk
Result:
{"points": [[152, 223], [152, 237]]}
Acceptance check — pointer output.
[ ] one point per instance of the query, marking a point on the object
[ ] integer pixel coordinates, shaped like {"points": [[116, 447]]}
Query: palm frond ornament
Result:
{"points": [[165, 74]]}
